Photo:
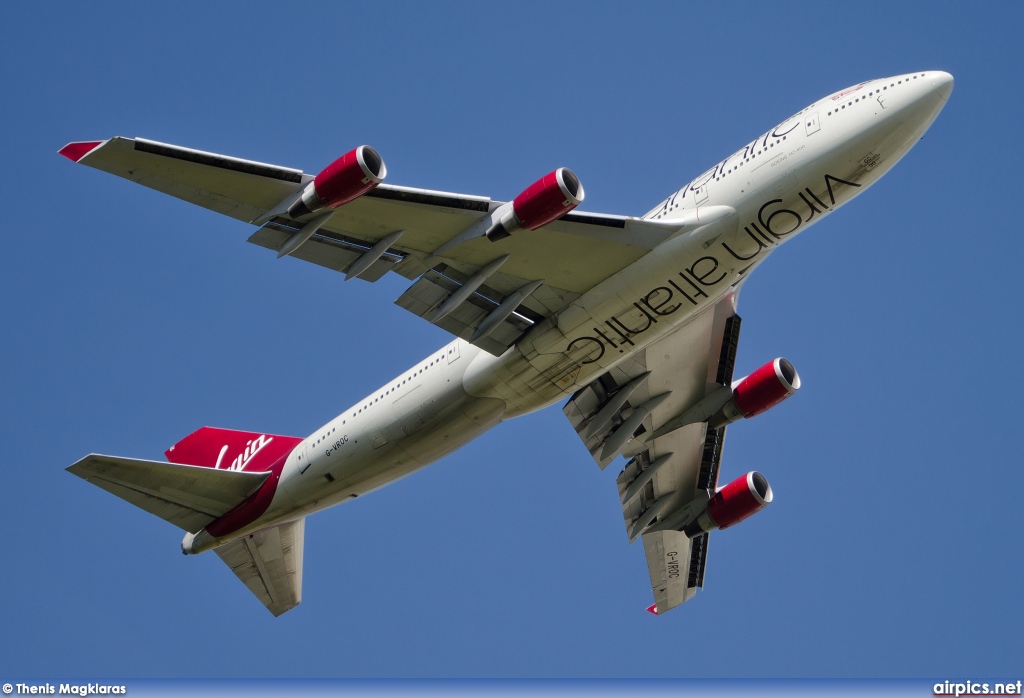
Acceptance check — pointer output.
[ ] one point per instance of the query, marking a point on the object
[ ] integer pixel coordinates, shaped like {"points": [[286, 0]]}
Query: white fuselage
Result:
{"points": [[778, 184]]}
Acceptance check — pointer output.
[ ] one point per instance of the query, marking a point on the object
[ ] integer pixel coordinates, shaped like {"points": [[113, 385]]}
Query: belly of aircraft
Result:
{"points": [[652, 298], [382, 451]]}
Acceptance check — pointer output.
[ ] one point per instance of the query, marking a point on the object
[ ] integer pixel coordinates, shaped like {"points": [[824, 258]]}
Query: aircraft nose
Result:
{"points": [[942, 83]]}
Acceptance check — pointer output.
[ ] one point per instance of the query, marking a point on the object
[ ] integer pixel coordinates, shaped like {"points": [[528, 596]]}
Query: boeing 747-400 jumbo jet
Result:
{"points": [[631, 320]]}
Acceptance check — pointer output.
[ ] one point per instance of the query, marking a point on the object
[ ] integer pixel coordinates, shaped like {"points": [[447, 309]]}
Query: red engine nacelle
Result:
{"points": [[759, 392], [347, 178], [546, 200], [741, 498]]}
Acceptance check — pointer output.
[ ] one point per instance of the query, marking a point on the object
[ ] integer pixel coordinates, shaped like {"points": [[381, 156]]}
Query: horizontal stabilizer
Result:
{"points": [[188, 496], [270, 564]]}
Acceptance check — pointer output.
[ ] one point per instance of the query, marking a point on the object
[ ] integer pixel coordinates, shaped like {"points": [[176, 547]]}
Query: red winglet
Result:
{"points": [[76, 151], [653, 608]]}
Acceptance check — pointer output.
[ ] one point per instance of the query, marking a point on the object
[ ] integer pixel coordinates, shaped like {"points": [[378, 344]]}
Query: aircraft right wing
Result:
{"points": [[672, 471], [269, 563], [492, 292]]}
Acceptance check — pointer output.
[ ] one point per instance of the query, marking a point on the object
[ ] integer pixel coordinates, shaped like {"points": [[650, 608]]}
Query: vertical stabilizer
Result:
{"points": [[228, 449]]}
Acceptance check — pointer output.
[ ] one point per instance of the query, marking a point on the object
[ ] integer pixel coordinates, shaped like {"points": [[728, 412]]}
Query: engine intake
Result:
{"points": [[546, 200], [759, 392], [740, 499], [347, 178]]}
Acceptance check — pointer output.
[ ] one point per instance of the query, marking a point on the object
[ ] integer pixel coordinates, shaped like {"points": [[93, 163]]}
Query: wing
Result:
{"points": [[270, 564], [668, 478], [187, 496], [489, 292]]}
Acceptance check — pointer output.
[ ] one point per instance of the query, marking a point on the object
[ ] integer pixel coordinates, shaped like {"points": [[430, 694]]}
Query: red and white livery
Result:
{"points": [[630, 321]]}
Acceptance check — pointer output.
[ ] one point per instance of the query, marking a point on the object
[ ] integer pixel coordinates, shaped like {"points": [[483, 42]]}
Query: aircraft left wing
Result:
{"points": [[488, 293], [269, 563], [669, 476]]}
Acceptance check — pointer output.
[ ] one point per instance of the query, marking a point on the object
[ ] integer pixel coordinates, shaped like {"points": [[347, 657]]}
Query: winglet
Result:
{"points": [[653, 608], [76, 151]]}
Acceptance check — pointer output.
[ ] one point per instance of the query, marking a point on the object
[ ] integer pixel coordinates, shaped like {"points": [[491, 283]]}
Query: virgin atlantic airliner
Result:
{"points": [[629, 320]]}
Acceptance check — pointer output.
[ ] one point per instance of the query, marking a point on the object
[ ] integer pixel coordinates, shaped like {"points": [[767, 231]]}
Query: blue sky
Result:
{"points": [[129, 319]]}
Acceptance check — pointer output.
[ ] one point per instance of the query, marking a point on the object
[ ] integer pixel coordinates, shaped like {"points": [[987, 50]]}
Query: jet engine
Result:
{"points": [[546, 200], [347, 178], [741, 498], [759, 392]]}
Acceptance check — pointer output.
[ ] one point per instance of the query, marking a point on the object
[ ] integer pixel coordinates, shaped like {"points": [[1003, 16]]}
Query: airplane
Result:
{"points": [[631, 320]]}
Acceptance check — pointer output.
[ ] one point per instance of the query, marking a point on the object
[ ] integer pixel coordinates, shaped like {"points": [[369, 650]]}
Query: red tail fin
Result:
{"points": [[227, 449]]}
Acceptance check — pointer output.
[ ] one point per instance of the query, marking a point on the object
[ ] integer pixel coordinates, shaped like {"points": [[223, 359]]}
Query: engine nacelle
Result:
{"points": [[759, 392], [546, 200], [347, 178], [741, 498]]}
